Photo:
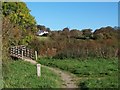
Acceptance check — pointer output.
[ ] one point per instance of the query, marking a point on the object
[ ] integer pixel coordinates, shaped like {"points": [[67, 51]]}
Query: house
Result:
{"points": [[42, 32]]}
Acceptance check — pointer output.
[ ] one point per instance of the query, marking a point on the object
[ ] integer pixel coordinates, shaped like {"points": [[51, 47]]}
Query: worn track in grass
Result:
{"points": [[69, 80]]}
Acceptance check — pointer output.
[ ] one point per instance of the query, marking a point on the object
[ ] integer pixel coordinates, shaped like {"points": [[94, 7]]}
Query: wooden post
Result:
{"points": [[27, 53], [19, 52], [36, 55], [22, 54], [38, 70], [31, 55], [14, 50]]}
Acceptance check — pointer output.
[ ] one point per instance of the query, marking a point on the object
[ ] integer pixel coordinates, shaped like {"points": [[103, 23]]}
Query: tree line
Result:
{"points": [[75, 43]]}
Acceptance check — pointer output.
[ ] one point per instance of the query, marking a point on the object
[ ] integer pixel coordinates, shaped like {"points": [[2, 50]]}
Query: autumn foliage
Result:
{"points": [[67, 43]]}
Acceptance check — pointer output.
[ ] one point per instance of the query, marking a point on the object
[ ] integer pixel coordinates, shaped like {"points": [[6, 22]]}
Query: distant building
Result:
{"points": [[42, 32]]}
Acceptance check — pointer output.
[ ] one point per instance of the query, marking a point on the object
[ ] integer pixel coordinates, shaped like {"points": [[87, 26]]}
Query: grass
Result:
{"points": [[93, 72], [43, 38], [23, 75]]}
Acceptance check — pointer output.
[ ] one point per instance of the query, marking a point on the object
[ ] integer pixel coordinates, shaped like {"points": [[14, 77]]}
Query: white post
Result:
{"points": [[22, 54], [38, 70], [36, 55]]}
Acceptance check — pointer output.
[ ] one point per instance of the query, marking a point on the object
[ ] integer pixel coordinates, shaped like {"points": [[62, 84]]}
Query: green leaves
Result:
{"points": [[18, 13], [19, 16]]}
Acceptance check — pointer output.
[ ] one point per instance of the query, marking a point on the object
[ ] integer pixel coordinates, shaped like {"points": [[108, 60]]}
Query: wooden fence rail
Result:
{"points": [[22, 52]]}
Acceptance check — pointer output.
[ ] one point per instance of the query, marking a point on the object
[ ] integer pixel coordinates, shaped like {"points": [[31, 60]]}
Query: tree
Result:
{"points": [[105, 33], [74, 33], [48, 29], [19, 16], [87, 33], [41, 27], [66, 29]]}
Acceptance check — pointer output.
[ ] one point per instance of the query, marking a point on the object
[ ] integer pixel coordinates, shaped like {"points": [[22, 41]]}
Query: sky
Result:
{"points": [[75, 15]]}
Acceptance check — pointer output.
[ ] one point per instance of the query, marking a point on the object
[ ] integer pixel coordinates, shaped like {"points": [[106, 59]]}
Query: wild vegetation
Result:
{"points": [[91, 55], [67, 43]]}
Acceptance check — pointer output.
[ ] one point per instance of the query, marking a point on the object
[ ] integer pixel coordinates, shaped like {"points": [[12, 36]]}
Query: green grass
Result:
{"points": [[23, 75], [42, 38], [93, 72]]}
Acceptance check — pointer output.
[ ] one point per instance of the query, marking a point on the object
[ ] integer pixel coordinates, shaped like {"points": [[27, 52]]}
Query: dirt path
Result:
{"points": [[69, 80], [30, 60]]}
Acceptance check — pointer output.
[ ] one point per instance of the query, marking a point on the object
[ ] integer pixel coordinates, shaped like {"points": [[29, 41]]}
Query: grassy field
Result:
{"points": [[23, 75], [93, 72]]}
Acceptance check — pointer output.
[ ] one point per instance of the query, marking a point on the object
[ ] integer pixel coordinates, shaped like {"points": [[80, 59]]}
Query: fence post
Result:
{"points": [[38, 70], [22, 54], [36, 55]]}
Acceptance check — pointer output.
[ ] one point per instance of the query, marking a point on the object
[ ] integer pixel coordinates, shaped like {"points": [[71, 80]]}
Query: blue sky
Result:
{"points": [[77, 15]]}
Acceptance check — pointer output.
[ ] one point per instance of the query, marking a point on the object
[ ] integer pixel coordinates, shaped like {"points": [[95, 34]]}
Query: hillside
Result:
{"points": [[68, 43], [89, 55]]}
